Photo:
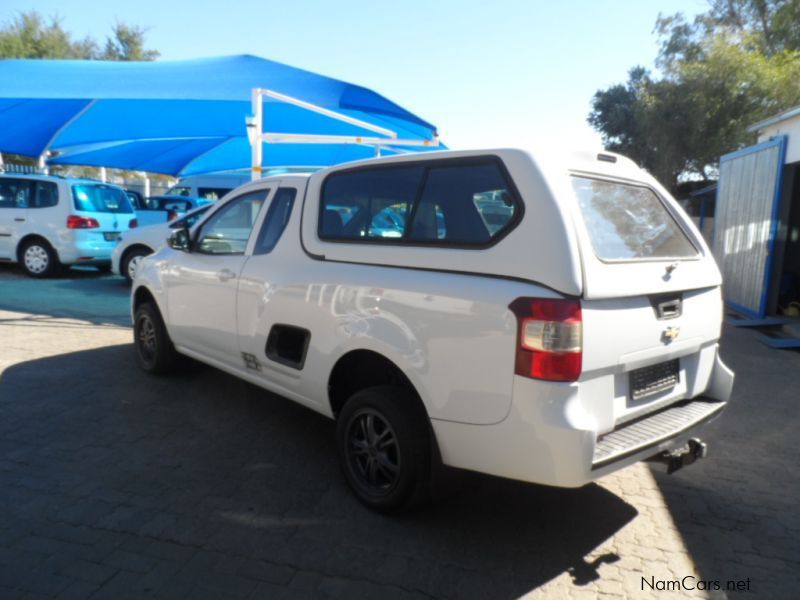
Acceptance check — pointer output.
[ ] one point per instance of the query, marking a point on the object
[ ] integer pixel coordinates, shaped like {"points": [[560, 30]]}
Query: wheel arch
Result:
{"points": [[141, 296], [28, 237], [129, 250], [360, 369], [135, 246]]}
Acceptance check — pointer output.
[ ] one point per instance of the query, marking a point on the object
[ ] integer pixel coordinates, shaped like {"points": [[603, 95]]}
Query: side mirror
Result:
{"points": [[179, 240]]}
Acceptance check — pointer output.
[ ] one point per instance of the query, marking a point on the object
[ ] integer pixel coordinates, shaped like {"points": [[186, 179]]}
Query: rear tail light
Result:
{"points": [[172, 215], [133, 223], [549, 338], [76, 222]]}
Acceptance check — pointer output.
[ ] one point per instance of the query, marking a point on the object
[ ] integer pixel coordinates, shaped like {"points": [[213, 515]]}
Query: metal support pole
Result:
{"points": [[43, 164], [103, 175], [256, 144], [2, 165], [146, 187], [257, 137]]}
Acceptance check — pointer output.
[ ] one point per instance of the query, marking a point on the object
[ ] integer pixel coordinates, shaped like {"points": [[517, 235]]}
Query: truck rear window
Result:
{"points": [[629, 222], [101, 198]]}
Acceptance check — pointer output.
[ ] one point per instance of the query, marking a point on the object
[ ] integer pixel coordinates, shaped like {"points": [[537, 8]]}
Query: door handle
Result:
{"points": [[226, 275], [19, 219]]}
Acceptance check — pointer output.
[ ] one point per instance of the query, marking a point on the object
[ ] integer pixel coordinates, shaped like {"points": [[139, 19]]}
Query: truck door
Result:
{"points": [[746, 221], [272, 342], [201, 285]]}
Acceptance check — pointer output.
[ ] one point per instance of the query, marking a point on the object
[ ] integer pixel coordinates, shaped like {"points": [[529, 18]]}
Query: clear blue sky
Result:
{"points": [[501, 73]]}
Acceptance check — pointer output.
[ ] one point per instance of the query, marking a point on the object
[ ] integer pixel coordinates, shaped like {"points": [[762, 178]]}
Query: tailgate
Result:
{"points": [[645, 352], [652, 306], [106, 204]]}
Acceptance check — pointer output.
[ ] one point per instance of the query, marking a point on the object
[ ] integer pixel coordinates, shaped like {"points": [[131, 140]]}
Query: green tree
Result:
{"points": [[730, 67], [127, 43], [30, 35]]}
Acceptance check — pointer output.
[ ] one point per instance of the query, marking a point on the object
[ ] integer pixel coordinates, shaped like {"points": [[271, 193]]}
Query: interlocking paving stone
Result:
{"points": [[117, 485]]}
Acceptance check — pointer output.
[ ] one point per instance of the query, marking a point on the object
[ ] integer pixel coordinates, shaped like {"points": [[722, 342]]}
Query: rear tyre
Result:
{"points": [[38, 259], [154, 350], [384, 448], [131, 261]]}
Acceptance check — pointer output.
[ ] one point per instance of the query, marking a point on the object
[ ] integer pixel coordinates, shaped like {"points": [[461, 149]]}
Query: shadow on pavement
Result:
{"points": [[737, 510], [209, 462], [84, 293]]}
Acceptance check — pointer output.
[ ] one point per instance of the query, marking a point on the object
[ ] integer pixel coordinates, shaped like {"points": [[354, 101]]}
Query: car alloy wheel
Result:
{"points": [[383, 443], [373, 452], [36, 259], [146, 337], [133, 265], [154, 349], [132, 261]]}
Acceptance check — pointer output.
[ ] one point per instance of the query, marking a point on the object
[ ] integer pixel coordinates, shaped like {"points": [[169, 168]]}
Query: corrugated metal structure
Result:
{"points": [[746, 223]]}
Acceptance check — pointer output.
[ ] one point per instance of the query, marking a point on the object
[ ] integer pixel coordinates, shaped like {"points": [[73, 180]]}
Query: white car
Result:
{"points": [[137, 243], [46, 222], [211, 186], [525, 322]]}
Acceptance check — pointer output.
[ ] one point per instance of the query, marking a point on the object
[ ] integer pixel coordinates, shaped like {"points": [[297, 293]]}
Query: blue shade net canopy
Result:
{"points": [[189, 117]]}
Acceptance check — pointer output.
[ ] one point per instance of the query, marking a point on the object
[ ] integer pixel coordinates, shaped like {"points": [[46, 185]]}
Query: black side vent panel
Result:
{"points": [[288, 345]]}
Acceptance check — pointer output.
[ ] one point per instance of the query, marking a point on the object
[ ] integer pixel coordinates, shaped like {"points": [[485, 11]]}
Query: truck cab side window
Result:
{"points": [[227, 231], [280, 209]]}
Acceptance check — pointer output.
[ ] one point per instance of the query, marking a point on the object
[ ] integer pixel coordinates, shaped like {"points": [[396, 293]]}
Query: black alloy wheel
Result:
{"points": [[373, 452], [154, 350], [384, 446]]}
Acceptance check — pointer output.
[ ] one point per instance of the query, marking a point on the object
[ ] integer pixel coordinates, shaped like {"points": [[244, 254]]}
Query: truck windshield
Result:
{"points": [[100, 198], [629, 222]]}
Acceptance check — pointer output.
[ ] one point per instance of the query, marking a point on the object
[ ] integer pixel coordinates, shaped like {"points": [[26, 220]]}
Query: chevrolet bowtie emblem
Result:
{"points": [[670, 334]]}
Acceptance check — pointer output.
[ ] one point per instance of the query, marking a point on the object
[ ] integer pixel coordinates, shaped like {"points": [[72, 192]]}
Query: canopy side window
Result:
{"points": [[462, 203]]}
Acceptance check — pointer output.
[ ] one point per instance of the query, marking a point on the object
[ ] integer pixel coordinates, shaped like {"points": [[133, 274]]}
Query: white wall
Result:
{"points": [[789, 127]]}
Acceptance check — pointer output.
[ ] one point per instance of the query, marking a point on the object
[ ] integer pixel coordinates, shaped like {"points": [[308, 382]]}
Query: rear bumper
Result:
{"points": [[550, 435], [86, 252]]}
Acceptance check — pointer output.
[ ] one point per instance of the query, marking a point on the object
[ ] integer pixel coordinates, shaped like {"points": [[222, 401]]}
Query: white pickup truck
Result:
{"points": [[547, 322]]}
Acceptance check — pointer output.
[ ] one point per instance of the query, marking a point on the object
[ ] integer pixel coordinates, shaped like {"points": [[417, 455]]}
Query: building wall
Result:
{"points": [[789, 127]]}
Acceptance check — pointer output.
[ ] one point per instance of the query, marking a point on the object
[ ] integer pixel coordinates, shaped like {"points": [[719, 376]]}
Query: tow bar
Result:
{"points": [[683, 456]]}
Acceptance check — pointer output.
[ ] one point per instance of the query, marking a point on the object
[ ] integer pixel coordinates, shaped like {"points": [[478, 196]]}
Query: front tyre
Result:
{"points": [[131, 261], [38, 259], [154, 350], [384, 448]]}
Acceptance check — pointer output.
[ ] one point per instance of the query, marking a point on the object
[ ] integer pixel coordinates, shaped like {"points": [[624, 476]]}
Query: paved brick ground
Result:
{"points": [[116, 485]]}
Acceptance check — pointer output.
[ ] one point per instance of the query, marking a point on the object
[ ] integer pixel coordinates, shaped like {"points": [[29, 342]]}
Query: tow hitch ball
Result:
{"points": [[685, 455]]}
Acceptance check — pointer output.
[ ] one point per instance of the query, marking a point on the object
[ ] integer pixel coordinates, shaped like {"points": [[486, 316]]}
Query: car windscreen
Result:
{"points": [[628, 222], [100, 198]]}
